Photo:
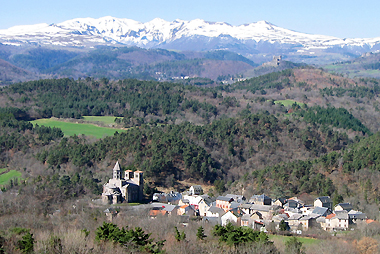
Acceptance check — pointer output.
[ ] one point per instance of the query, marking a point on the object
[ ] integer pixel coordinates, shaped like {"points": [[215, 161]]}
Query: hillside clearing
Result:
{"points": [[4, 178], [70, 129]]}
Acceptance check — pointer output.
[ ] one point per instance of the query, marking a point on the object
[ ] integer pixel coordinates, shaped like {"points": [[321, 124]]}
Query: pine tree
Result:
{"points": [[200, 233]]}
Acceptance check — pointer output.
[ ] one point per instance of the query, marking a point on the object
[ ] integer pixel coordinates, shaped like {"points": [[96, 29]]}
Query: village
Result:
{"points": [[259, 212]]}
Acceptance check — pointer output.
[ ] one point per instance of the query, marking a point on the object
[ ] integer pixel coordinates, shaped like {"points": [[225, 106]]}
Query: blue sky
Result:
{"points": [[344, 19]]}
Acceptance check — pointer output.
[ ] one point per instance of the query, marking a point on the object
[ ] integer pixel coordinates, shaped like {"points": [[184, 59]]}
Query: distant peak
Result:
{"points": [[263, 22]]}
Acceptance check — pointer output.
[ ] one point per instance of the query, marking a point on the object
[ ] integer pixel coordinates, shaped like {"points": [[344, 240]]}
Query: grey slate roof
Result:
{"points": [[169, 208], [324, 199], [343, 215], [211, 220], [237, 198], [295, 217], [320, 210], [234, 204], [357, 215], [259, 197], [345, 206], [214, 209], [292, 204], [263, 208], [223, 198]]}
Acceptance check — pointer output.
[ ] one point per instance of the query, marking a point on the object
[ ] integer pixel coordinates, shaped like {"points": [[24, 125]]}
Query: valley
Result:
{"points": [[242, 113]]}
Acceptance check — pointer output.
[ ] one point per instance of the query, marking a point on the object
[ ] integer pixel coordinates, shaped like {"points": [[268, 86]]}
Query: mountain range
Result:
{"points": [[257, 41]]}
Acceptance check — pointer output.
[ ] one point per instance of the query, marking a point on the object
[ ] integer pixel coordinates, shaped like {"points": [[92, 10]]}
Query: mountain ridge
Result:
{"points": [[90, 32]]}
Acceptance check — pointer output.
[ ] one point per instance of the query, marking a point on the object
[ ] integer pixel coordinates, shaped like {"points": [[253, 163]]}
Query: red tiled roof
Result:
{"points": [[330, 216], [157, 212]]}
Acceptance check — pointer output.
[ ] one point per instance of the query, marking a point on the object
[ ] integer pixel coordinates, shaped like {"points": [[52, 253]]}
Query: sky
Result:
{"points": [[339, 18]]}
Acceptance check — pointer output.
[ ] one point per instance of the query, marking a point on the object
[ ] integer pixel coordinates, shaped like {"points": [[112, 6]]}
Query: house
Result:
{"points": [[157, 211], [170, 209], [212, 220], [186, 210], [196, 190], [224, 203], [309, 221], [280, 217], [193, 200], [231, 216], [170, 197], [293, 221], [280, 202], [260, 200], [205, 204], [343, 207], [127, 189], [323, 202], [337, 221], [246, 220], [256, 216], [173, 196], [291, 211], [159, 197], [291, 203], [356, 216], [307, 209], [183, 201], [321, 211], [215, 211], [237, 198], [265, 211]]}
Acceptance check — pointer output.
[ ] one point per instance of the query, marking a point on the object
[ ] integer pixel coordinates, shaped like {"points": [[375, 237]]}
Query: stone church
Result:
{"points": [[127, 189]]}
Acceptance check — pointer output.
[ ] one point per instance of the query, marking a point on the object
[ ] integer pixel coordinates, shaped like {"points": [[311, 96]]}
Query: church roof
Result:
{"points": [[117, 166]]}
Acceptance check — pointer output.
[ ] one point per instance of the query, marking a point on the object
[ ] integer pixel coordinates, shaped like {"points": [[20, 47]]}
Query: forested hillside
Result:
{"points": [[180, 133], [300, 132]]}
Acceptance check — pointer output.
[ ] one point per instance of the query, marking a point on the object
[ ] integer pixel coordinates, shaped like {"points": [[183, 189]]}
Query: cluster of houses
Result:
{"points": [[259, 212]]}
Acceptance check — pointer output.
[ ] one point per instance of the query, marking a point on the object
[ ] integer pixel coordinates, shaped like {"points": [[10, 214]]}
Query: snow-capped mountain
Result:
{"points": [[179, 34]]}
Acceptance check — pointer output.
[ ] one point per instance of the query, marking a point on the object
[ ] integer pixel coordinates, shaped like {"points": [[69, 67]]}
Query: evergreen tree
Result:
{"points": [[26, 244], [200, 233]]}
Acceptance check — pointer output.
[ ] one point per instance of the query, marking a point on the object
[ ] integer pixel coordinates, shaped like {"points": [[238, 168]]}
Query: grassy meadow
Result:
{"points": [[288, 103], [5, 177], [88, 129], [103, 119]]}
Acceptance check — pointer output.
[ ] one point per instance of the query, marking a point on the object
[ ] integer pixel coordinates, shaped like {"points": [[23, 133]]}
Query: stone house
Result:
{"points": [[260, 200], [215, 212], [204, 205], [356, 216], [323, 202], [343, 207], [224, 203], [309, 221], [127, 189], [237, 198], [293, 221], [186, 210], [196, 190], [279, 202], [336, 221], [231, 216]]}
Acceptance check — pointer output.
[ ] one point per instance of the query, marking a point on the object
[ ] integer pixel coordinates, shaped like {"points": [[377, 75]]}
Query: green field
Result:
{"points": [[288, 103], [70, 129], [103, 119], [2, 170], [4, 178]]}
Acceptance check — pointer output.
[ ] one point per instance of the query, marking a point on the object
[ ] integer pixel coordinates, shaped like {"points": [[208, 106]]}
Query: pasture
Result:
{"points": [[71, 128]]}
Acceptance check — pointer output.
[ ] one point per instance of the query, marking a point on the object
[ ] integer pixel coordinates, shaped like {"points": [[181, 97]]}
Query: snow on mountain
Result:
{"points": [[108, 30]]}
